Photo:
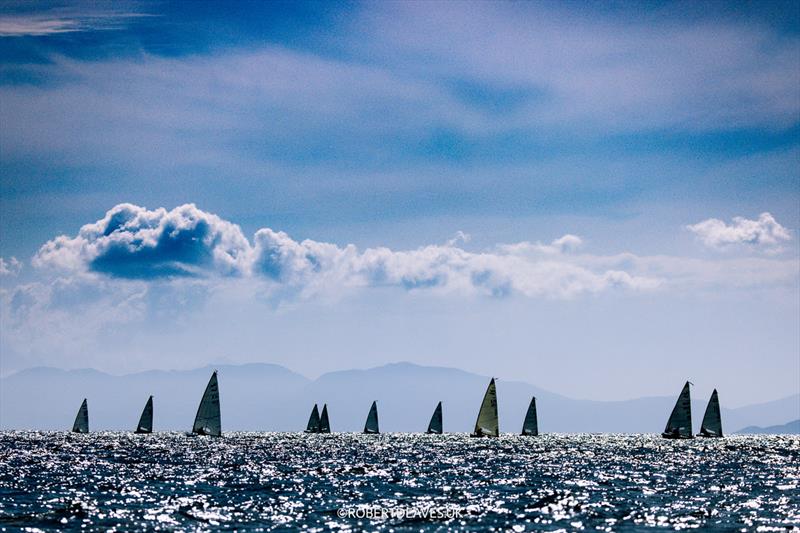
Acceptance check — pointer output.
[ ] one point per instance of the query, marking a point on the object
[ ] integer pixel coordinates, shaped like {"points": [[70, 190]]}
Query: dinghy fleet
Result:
{"points": [[319, 423], [679, 424], [208, 420]]}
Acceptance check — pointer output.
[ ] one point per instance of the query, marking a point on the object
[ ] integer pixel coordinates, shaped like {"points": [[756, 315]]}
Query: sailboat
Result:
{"points": [[145, 424], [208, 420], [81, 424], [313, 421], [324, 423], [712, 421], [531, 424], [371, 426], [435, 425], [679, 425], [487, 425]]}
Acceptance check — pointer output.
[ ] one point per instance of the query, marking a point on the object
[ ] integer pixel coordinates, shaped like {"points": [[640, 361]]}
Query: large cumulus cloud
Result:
{"points": [[133, 242]]}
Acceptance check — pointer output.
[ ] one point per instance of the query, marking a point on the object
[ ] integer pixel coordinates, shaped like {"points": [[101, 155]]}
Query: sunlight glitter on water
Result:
{"points": [[272, 481]]}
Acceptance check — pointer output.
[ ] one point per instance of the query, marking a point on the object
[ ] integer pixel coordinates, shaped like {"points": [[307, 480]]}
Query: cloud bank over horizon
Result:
{"points": [[134, 243], [120, 256], [191, 279]]}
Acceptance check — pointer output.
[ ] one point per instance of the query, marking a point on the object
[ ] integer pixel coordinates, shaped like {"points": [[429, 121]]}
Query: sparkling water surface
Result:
{"points": [[286, 481]]}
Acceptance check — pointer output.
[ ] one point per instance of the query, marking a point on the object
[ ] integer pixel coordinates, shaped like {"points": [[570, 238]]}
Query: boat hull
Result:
{"points": [[673, 436], [482, 434], [203, 432]]}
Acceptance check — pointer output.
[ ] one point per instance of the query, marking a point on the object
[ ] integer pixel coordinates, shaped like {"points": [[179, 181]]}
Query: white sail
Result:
{"points": [[313, 421], [324, 423], [435, 425], [81, 424], [531, 424], [145, 424], [679, 425], [487, 423], [712, 420], [208, 420], [371, 426]]}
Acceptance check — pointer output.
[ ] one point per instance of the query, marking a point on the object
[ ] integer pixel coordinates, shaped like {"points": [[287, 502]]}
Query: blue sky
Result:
{"points": [[602, 200]]}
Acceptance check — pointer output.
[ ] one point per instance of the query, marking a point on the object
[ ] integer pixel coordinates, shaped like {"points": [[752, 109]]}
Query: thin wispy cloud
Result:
{"points": [[16, 26], [64, 20], [700, 78], [590, 73]]}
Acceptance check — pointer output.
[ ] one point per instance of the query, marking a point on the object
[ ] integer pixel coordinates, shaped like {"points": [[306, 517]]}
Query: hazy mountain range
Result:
{"points": [[792, 427], [268, 397]]}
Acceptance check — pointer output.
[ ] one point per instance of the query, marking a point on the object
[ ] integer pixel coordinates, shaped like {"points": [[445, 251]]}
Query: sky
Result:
{"points": [[600, 199]]}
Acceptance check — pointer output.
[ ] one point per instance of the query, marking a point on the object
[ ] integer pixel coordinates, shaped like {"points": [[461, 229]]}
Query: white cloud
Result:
{"points": [[64, 20], [131, 242], [134, 243], [35, 26], [91, 307], [764, 233], [460, 236], [565, 244], [10, 267]]}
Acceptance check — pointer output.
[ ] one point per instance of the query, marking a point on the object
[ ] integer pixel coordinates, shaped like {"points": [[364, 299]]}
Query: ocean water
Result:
{"points": [[397, 482]]}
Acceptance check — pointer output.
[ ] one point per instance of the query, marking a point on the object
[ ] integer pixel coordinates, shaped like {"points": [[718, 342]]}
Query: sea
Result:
{"points": [[396, 482]]}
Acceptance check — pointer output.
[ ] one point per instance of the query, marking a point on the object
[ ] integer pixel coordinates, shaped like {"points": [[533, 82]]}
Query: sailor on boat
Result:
{"points": [[371, 426], [313, 425], [208, 420], [712, 420], [679, 425], [435, 425], [324, 423], [81, 424], [530, 426], [145, 424], [487, 425]]}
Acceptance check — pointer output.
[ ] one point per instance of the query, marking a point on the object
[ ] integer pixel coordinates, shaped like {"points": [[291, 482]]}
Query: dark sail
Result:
{"points": [[145, 424], [324, 423], [487, 424], [208, 420], [81, 424], [679, 425], [435, 425], [531, 424], [712, 420], [371, 425], [313, 421]]}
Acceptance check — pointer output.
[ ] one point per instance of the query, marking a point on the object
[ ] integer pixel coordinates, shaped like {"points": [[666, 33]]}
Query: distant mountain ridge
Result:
{"points": [[269, 397], [790, 428]]}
